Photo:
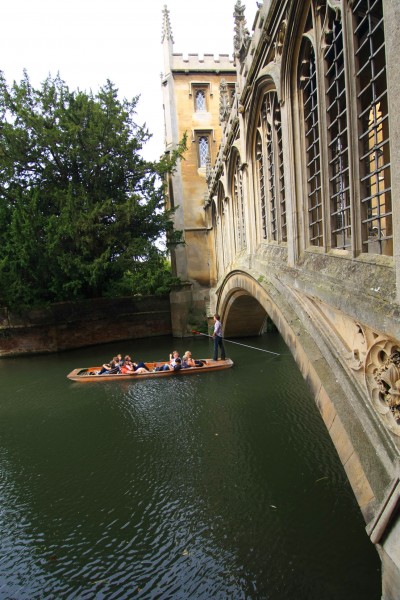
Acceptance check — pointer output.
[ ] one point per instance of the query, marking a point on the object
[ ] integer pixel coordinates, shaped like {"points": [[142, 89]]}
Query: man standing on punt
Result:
{"points": [[217, 335]]}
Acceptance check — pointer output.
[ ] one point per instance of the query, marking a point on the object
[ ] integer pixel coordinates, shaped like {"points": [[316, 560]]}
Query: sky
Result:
{"points": [[90, 41]]}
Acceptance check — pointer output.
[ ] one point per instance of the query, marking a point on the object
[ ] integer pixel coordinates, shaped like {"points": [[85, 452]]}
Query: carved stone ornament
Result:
{"points": [[242, 36], [382, 377], [331, 16], [359, 340], [279, 41], [224, 102], [208, 169], [166, 26]]}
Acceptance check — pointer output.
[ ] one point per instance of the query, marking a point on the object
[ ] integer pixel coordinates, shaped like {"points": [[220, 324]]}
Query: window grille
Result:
{"points": [[271, 166], [281, 174], [222, 253], [308, 84], [375, 178], [270, 169], [239, 204], [336, 106], [203, 150], [200, 101], [261, 184]]}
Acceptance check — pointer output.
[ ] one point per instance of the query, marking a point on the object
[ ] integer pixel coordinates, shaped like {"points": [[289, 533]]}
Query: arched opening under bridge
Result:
{"points": [[244, 315]]}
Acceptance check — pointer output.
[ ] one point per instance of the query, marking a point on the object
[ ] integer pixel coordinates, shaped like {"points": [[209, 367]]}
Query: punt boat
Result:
{"points": [[91, 374]]}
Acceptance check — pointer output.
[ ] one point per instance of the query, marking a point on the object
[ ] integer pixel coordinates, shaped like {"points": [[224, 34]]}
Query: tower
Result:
{"points": [[191, 99]]}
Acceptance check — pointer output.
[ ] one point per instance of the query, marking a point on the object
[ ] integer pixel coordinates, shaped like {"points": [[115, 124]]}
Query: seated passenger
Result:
{"points": [[176, 367], [133, 368], [111, 368], [172, 361], [127, 365], [187, 360]]}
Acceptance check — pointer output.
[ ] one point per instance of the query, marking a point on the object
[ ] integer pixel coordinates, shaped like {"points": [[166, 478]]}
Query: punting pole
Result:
{"points": [[238, 343]]}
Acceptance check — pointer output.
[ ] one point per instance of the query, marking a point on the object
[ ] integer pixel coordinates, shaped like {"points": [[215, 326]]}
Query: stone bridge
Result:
{"points": [[293, 216]]}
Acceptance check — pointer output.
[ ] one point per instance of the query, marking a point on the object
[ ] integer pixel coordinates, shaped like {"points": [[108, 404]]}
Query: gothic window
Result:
{"points": [[261, 183], [200, 100], [222, 249], [338, 152], [271, 167], [269, 170], [203, 150], [280, 172], [311, 140], [238, 197], [373, 125]]}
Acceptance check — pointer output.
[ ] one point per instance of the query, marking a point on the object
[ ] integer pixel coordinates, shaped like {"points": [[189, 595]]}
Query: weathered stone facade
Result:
{"points": [[304, 225]]}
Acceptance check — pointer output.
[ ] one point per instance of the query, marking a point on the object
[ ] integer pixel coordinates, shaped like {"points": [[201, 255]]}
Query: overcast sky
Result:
{"points": [[90, 41]]}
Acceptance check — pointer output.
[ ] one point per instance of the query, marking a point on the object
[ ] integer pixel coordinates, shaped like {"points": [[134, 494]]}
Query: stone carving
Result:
{"points": [[166, 26], [375, 359], [332, 16], [359, 346], [279, 41], [208, 169], [224, 102], [382, 376], [242, 37]]}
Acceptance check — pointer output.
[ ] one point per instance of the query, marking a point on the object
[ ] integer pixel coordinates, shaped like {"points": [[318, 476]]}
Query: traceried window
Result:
{"points": [[338, 154], [200, 100], [270, 172], [309, 101], [366, 226], [237, 189], [280, 173], [261, 183], [222, 249], [271, 167], [203, 150], [375, 179]]}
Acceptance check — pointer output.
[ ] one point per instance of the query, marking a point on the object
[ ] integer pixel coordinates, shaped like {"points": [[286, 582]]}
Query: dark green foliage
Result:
{"points": [[80, 210]]}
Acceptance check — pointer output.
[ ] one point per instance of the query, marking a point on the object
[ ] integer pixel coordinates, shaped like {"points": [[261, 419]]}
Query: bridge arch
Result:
{"points": [[244, 301]]}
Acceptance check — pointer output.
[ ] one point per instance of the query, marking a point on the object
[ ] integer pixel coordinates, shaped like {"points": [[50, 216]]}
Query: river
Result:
{"points": [[214, 486]]}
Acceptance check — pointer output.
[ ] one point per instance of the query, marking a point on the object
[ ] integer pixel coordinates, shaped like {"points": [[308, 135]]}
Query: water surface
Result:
{"points": [[218, 485]]}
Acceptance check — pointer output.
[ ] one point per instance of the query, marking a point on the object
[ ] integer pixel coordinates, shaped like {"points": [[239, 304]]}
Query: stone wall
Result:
{"points": [[70, 325]]}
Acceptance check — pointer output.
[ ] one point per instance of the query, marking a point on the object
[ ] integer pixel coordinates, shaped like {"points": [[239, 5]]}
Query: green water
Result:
{"points": [[218, 485]]}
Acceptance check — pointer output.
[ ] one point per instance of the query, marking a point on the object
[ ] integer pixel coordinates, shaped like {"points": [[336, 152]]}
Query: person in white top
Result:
{"points": [[217, 335]]}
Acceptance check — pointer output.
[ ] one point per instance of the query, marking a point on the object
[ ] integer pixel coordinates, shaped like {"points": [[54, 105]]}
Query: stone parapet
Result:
{"points": [[204, 62]]}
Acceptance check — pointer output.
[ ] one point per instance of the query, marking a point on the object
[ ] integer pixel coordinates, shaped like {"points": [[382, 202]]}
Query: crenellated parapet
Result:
{"points": [[202, 62]]}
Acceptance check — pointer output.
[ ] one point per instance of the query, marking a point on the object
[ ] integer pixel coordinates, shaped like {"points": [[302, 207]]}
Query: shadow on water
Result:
{"points": [[218, 485]]}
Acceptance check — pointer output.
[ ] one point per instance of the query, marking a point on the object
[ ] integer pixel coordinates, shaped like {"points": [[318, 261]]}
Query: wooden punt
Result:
{"points": [[90, 374]]}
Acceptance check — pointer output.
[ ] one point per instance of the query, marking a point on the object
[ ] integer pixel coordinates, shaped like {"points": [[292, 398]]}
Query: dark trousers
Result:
{"points": [[218, 342], [140, 364]]}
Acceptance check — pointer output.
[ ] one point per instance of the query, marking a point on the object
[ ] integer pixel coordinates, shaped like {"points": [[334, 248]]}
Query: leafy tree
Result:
{"points": [[80, 209]]}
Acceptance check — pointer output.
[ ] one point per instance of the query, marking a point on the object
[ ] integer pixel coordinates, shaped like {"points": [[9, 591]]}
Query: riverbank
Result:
{"points": [[70, 325]]}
